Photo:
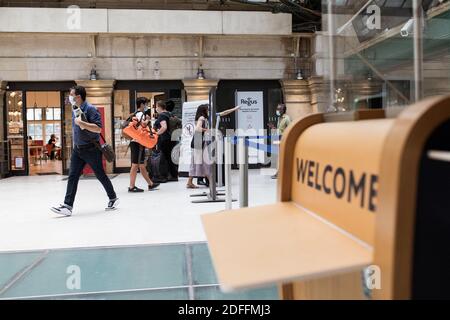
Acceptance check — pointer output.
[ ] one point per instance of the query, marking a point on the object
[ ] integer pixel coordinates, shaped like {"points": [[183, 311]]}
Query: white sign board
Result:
{"points": [[188, 121], [250, 121]]}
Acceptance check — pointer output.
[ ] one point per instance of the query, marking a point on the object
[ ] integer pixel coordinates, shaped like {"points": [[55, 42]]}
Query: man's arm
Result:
{"points": [[88, 126], [93, 121], [163, 128]]}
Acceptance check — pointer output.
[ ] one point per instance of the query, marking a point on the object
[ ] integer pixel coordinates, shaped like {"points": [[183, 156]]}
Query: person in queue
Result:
{"points": [[199, 167], [164, 138], [138, 151], [283, 122]]}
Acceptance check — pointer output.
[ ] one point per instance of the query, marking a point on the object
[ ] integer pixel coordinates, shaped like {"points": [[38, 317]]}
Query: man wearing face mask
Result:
{"points": [[282, 123], [138, 151], [86, 128]]}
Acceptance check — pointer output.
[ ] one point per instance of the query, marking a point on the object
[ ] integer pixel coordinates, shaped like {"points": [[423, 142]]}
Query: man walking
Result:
{"points": [[86, 128]]}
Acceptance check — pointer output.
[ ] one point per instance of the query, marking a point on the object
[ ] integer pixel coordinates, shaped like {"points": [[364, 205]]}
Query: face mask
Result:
{"points": [[278, 113], [145, 108], [72, 100]]}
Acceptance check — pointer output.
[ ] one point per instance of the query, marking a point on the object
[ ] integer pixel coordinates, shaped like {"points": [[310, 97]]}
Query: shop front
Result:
{"points": [[125, 95], [38, 127]]}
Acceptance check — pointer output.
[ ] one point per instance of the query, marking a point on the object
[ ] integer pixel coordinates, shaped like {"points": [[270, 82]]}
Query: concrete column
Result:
{"points": [[319, 94], [198, 89], [2, 121], [297, 97], [360, 90], [99, 93]]}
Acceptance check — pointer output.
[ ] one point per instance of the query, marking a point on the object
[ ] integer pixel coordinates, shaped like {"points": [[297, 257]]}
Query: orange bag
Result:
{"points": [[143, 135]]}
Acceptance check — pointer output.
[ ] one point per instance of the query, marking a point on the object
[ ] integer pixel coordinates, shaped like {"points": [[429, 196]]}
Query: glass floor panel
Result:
{"points": [[167, 271]]}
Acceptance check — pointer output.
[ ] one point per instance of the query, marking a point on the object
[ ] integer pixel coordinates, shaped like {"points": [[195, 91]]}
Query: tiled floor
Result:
{"points": [[171, 271], [163, 216], [152, 247], [46, 167]]}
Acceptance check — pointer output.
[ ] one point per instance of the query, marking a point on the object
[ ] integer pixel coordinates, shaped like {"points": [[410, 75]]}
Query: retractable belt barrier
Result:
{"points": [[365, 190], [269, 148]]}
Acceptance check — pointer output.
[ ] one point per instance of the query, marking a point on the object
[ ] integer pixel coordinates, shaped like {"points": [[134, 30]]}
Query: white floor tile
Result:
{"points": [[163, 216]]}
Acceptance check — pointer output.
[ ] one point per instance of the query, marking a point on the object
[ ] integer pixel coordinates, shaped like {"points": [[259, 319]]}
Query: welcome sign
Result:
{"points": [[336, 173]]}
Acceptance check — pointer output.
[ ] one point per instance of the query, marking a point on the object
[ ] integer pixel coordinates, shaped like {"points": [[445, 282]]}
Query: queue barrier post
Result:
{"points": [[243, 172], [227, 164]]}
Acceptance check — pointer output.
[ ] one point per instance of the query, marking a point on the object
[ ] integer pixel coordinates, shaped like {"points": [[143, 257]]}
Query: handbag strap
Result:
{"points": [[101, 136]]}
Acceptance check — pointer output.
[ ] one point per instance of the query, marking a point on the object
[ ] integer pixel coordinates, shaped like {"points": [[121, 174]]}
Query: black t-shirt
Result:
{"points": [[164, 116], [52, 141]]}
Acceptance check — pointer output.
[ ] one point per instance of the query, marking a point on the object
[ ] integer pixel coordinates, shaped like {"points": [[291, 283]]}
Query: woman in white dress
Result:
{"points": [[200, 164]]}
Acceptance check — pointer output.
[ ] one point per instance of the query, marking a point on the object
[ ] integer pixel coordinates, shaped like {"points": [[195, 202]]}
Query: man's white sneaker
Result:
{"points": [[62, 210], [112, 204]]}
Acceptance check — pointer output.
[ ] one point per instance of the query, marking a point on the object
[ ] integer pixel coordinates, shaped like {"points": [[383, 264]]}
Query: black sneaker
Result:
{"points": [[112, 204], [63, 209], [153, 186], [135, 189]]}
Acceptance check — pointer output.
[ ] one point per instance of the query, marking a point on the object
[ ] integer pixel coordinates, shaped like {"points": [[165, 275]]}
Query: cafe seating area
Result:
{"points": [[39, 157]]}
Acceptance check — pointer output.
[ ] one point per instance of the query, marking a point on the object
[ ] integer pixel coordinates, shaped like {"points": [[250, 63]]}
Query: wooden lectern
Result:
{"points": [[367, 188]]}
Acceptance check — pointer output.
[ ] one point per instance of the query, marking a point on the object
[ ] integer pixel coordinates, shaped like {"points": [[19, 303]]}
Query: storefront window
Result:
{"points": [[30, 114], [16, 130], [38, 114], [121, 112]]}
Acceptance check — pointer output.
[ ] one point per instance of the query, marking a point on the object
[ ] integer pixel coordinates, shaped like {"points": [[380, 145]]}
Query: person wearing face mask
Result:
{"points": [[283, 122], [138, 151], [86, 129]]}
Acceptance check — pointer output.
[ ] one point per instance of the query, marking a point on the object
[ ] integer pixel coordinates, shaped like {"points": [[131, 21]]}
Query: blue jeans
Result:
{"points": [[92, 156]]}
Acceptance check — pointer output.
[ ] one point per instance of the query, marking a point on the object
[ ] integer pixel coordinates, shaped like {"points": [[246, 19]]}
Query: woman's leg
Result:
{"points": [[133, 174], [190, 184], [144, 173]]}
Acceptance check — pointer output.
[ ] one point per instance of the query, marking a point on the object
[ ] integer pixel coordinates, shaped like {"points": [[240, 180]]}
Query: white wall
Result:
{"points": [[52, 20], [41, 57], [60, 20]]}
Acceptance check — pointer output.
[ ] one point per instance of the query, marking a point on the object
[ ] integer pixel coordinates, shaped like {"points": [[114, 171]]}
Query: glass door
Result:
{"points": [[16, 132], [43, 117]]}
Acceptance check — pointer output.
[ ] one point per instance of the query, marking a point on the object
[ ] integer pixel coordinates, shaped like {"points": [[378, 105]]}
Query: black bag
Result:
{"points": [[157, 166], [106, 149]]}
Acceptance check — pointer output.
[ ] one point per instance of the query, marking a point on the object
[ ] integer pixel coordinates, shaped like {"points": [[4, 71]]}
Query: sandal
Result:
{"points": [[191, 186]]}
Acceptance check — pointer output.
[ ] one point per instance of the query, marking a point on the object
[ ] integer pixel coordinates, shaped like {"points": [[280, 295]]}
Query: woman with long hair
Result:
{"points": [[199, 166]]}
